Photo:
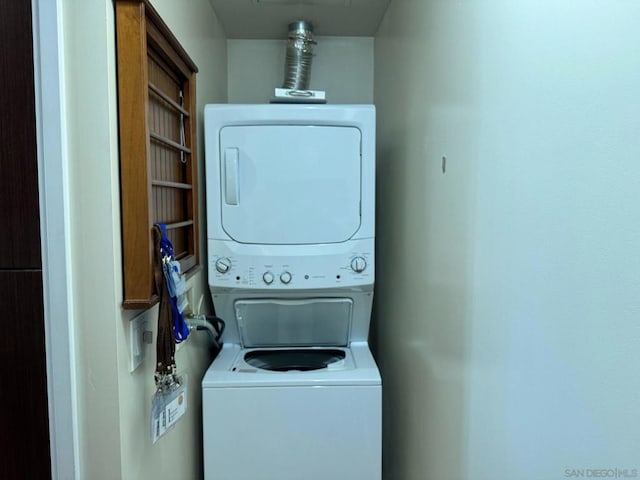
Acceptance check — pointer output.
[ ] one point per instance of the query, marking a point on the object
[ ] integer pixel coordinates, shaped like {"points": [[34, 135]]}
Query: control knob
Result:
{"points": [[267, 277], [223, 265], [358, 264], [285, 277]]}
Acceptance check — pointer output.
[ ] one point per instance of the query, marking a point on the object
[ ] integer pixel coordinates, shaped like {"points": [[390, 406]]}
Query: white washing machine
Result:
{"points": [[295, 393]]}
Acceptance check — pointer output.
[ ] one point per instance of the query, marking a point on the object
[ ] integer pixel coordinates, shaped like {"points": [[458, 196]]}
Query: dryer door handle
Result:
{"points": [[231, 181]]}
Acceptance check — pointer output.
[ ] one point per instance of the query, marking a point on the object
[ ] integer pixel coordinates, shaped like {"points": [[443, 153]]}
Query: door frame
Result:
{"points": [[53, 184]]}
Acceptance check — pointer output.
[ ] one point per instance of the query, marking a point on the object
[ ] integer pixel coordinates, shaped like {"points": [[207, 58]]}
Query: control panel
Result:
{"points": [[238, 270]]}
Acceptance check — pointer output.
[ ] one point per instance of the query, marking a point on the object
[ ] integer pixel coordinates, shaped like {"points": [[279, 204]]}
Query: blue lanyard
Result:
{"points": [[180, 328], [165, 245]]}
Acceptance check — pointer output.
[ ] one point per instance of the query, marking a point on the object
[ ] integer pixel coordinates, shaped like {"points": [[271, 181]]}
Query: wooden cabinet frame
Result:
{"points": [[144, 41]]}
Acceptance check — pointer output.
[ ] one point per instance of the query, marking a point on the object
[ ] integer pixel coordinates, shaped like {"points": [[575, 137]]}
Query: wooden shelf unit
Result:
{"points": [[158, 145]]}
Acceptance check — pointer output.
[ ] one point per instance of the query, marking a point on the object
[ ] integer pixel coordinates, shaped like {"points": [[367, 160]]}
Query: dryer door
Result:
{"points": [[290, 184]]}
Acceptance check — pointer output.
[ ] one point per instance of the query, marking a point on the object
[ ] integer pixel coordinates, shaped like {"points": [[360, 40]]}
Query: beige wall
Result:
{"points": [[507, 287], [90, 95], [423, 63], [342, 66], [113, 404], [506, 296]]}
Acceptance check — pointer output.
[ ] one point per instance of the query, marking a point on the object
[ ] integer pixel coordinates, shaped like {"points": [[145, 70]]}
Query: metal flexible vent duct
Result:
{"points": [[297, 69]]}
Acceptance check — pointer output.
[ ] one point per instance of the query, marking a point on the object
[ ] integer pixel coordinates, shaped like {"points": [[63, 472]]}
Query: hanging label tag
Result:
{"points": [[179, 283], [167, 407], [183, 303], [176, 284], [179, 286]]}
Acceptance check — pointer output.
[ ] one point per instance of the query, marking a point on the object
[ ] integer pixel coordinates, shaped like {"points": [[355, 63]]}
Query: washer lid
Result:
{"points": [[299, 322]]}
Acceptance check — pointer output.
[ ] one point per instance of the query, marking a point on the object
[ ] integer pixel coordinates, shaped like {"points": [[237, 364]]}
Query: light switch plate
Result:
{"points": [[137, 327]]}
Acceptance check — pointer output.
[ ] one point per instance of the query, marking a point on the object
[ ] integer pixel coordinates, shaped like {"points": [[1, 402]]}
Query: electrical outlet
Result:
{"points": [[137, 332]]}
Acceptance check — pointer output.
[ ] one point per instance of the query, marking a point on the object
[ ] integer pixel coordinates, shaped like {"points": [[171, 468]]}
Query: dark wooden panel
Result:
{"points": [[24, 427], [19, 222]]}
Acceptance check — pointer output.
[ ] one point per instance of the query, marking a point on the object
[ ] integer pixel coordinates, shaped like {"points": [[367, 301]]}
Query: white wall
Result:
{"points": [[342, 66], [89, 70], [507, 292], [113, 405]]}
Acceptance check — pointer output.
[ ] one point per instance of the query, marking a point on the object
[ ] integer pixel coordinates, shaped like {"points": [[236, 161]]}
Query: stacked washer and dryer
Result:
{"points": [[295, 393]]}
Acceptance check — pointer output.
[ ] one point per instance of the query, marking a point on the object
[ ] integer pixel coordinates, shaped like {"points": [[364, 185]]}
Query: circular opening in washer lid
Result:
{"points": [[287, 360]]}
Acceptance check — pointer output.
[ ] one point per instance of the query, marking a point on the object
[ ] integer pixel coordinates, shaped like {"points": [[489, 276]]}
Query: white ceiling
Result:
{"points": [[268, 19]]}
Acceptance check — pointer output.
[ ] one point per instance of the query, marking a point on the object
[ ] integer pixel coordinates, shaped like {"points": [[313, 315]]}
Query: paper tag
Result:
{"points": [[179, 283], [167, 408], [176, 283], [183, 303]]}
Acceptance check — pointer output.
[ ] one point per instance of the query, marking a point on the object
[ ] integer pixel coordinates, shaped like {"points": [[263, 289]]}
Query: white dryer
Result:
{"points": [[295, 392]]}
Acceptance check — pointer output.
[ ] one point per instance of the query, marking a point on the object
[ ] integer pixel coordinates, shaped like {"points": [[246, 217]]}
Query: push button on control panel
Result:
{"points": [[285, 277]]}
